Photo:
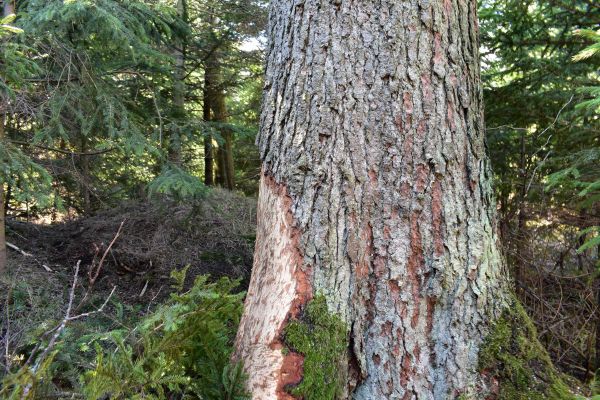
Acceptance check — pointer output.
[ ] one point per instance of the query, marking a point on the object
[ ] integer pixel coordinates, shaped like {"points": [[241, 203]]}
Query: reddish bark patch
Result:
{"points": [[448, 7], [373, 177], [415, 263], [292, 372], [399, 123], [395, 290], [407, 103], [427, 90], [421, 129], [450, 116], [437, 216], [421, 178], [437, 49], [406, 373]]}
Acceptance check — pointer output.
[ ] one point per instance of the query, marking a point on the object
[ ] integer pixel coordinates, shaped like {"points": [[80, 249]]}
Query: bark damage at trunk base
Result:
{"points": [[279, 288]]}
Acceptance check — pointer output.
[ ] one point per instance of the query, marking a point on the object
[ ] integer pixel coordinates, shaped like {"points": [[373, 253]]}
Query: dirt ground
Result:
{"points": [[214, 236]]}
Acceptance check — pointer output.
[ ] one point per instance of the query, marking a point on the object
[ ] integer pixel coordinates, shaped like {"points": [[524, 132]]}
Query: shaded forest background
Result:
{"points": [[127, 142]]}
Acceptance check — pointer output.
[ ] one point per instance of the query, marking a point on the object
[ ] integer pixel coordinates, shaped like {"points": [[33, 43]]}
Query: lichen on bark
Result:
{"points": [[322, 338], [516, 362]]}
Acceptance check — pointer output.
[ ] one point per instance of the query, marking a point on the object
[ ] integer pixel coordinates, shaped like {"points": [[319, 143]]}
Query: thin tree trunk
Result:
{"points": [[225, 151], [179, 90], [3, 255], [8, 9], [208, 147], [520, 260], [375, 193], [214, 91], [85, 180]]}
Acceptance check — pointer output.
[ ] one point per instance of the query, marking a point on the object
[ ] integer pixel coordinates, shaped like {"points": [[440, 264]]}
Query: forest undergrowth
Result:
{"points": [[148, 314]]}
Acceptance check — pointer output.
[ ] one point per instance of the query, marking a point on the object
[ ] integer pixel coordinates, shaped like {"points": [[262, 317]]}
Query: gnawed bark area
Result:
{"points": [[374, 161], [280, 286]]}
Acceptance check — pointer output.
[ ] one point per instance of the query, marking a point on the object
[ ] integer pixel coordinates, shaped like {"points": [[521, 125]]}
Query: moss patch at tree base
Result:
{"points": [[513, 356], [322, 338]]}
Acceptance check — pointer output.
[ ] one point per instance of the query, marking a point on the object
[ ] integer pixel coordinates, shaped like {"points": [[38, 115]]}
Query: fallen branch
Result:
{"points": [[94, 270], [61, 327], [26, 254]]}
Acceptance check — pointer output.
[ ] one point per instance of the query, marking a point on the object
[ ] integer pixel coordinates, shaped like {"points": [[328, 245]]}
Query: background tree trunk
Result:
{"points": [[376, 193], [179, 89], [225, 151], [3, 255], [215, 98], [208, 147], [7, 9]]}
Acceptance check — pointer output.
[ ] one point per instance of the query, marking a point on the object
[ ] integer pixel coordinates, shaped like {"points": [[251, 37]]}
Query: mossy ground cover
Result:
{"points": [[513, 355]]}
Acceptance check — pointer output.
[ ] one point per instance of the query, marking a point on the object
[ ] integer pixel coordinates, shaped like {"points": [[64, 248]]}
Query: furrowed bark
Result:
{"points": [[375, 193]]}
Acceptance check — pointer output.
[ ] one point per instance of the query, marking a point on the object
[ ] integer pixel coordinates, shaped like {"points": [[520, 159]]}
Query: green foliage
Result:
{"points": [[322, 338], [530, 85], [29, 181], [513, 354], [589, 52], [97, 107], [16, 65], [178, 184], [593, 239], [581, 174], [183, 347]]}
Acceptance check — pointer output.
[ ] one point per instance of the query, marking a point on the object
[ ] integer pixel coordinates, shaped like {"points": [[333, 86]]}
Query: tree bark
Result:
{"points": [[85, 183], [3, 255], [375, 193], [208, 147], [179, 89], [215, 98], [7, 9], [225, 151]]}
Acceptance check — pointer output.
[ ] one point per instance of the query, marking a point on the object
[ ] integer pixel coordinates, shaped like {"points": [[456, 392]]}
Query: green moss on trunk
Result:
{"points": [[513, 355], [322, 338]]}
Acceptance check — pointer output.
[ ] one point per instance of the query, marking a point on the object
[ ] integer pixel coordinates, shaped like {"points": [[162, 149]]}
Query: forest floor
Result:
{"points": [[150, 239]]}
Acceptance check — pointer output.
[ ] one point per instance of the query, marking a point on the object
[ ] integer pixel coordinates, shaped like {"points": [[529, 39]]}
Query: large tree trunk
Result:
{"points": [[375, 193]]}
